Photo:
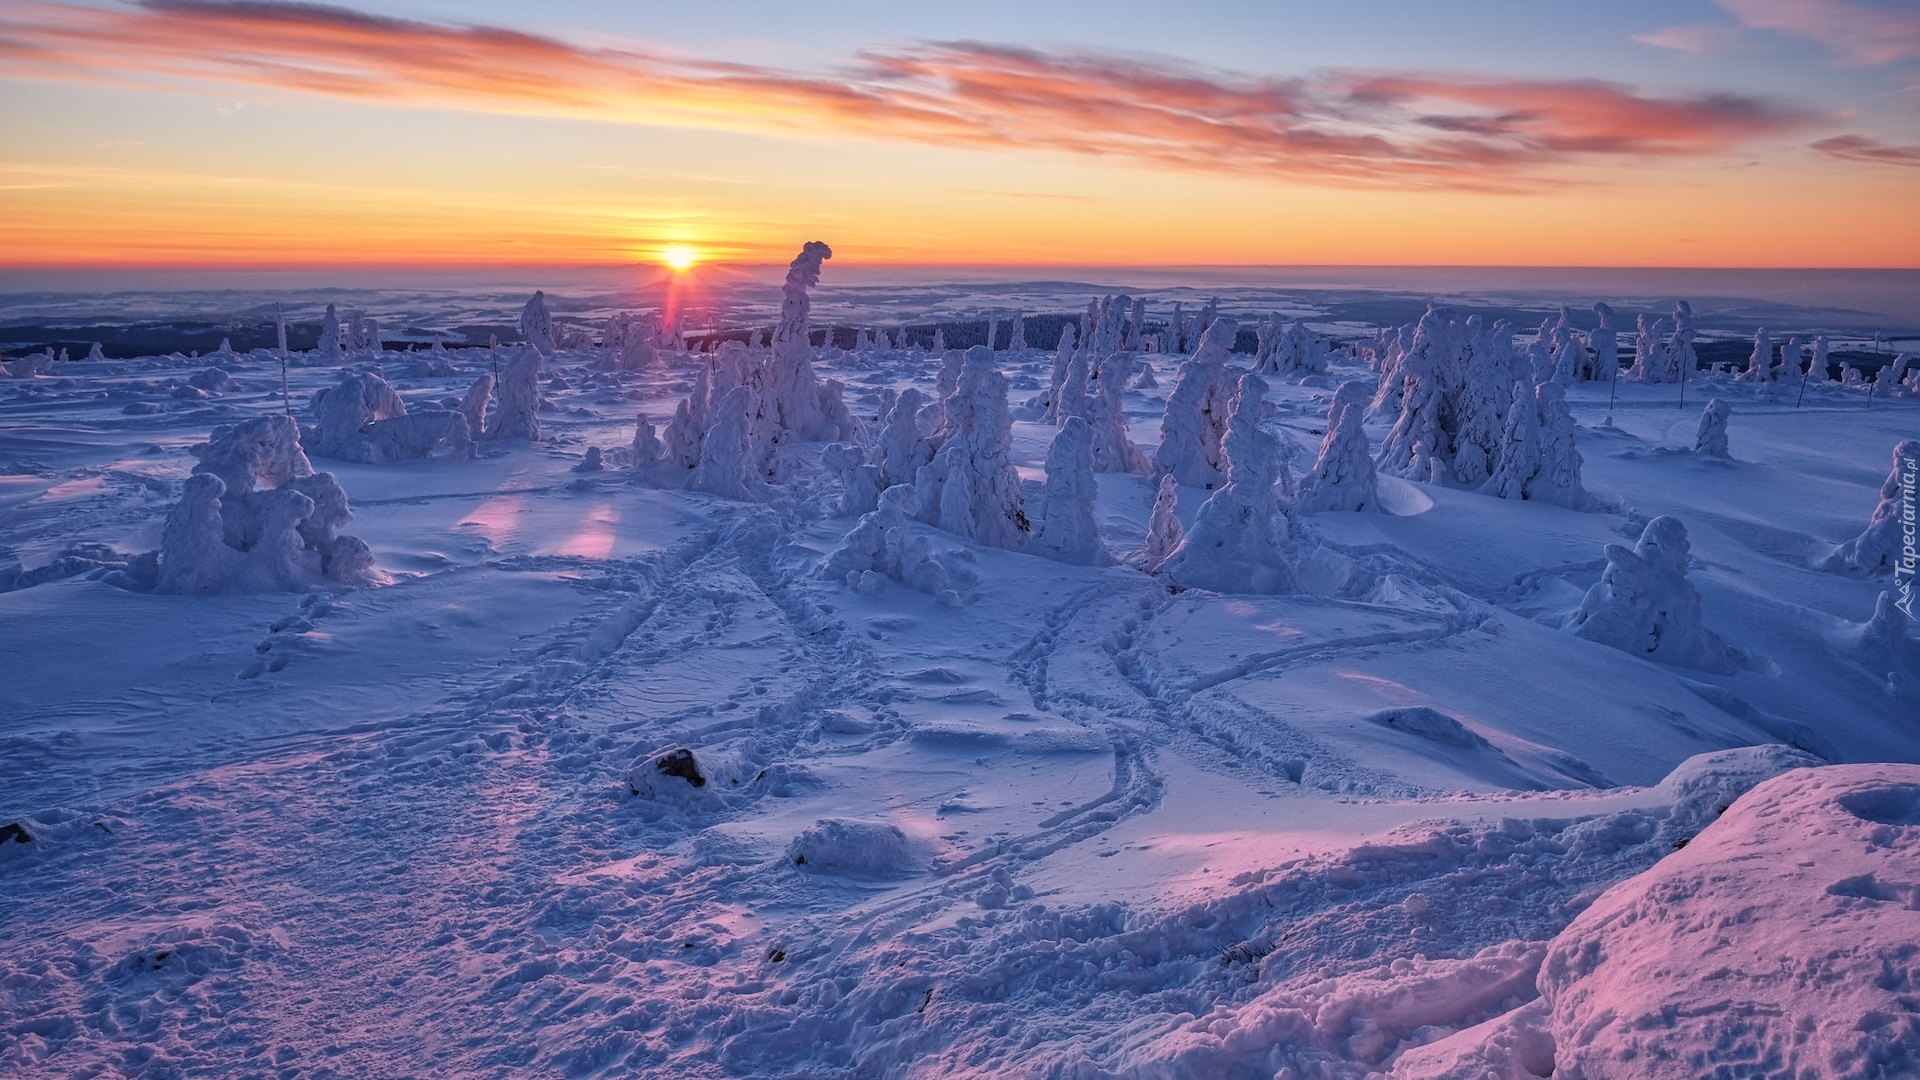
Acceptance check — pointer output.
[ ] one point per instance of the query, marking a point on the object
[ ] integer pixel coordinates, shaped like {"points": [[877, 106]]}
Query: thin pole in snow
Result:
{"points": [[280, 325]]}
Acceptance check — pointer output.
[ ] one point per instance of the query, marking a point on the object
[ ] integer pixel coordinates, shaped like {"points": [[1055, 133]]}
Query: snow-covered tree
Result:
{"points": [[1194, 422], [971, 488], [1604, 340], [517, 413], [1885, 546], [1343, 476], [1417, 445], [1650, 360], [646, 448], [902, 448], [1113, 450], [1069, 532], [1018, 341], [1236, 544], [1644, 604], [1557, 480], [728, 466], [536, 325], [1711, 439], [1760, 361], [474, 405], [859, 481], [1163, 526], [1818, 364], [1062, 361], [330, 344], [1520, 450], [1682, 361]]}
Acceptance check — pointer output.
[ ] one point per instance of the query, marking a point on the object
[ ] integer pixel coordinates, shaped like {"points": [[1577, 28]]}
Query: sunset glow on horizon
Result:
{"points": [[191, 133]]}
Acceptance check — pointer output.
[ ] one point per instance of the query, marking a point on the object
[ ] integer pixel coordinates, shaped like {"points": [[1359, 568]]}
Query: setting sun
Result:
{"points": [[679, 256]]}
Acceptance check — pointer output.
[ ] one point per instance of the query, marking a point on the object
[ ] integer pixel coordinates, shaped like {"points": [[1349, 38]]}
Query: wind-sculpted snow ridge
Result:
{"points": [[970, 488], [361, 419], [1237, 543], [255, 517], [1886, 547], [1644, 604], [1068, 530], [1342, 477]]}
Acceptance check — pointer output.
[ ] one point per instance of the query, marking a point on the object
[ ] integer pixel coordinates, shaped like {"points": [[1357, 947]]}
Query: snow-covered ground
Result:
{"points": [[1063, 822]]}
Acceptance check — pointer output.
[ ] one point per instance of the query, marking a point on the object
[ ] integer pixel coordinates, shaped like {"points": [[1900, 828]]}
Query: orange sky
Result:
{"points": [[205, 134]]}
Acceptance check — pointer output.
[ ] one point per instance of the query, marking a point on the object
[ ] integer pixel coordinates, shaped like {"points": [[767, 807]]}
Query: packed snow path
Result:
{"points": [[1077, 826]]}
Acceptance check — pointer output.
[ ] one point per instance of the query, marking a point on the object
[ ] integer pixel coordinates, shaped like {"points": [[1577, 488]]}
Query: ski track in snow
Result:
{"points": [[466, 886]]}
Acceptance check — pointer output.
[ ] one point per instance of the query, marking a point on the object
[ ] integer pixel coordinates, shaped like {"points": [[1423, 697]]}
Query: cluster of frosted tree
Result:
{"points": [[1088, 381], [1644, 604], [1467, 408], [747, 405], [255, 517], [634, 342], [1184, 333], [1663, 351], [1284, 348]]}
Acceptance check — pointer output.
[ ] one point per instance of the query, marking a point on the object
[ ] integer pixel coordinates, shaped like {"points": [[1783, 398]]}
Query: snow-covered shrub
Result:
{"points": [[1712, 436], [1644, 604], [1069, 532], [255, 517]]}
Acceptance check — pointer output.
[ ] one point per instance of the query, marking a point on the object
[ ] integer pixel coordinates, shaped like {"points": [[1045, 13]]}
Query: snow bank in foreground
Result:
{"points": [[1751, 952]]}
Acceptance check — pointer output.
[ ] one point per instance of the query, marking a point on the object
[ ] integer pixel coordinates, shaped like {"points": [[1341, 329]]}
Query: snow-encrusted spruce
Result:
{"points": [[1557, 481], [474, 405], [1479, 408], [1520, 450], [1195, 419], [1881, 549], [1236, 543], [255, 517], [1417, 445], [1113, 450], [646, 448], [1163, 526], [945, 382], [1604, 340], [859, 481], [971, 488], [1650, 360], [727, 465], [96, 355], [1682, 360], [1644, 604], [517, 413], [1074, 399], [1343, 476], [1062, 360], [902, 448], [1018, 341], [1760, 361], [1712, 436], [1068, 532], [789, 404], [536, 325], [1819, 363], [1136, 326], [329, 347]]}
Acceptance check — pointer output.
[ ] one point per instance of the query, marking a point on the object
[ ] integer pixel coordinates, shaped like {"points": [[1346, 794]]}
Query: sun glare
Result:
{"points": [[679, 257]]}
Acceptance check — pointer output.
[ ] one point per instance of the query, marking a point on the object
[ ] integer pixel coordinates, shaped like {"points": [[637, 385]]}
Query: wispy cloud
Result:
{"points": [[1872, 151], [1862, 34], [1696, 40], [1381, 129]]}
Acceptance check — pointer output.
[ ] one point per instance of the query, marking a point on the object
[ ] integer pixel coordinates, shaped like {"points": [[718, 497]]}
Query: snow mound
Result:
{"points": [[857, 849], [1753, 951], [1644, 604]]}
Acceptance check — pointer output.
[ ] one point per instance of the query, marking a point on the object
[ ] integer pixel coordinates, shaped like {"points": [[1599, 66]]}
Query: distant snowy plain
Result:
{"points": [[1079, 826]]}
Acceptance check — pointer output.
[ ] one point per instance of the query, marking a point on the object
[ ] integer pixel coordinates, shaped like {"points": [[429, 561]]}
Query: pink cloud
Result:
{"points": [[1872, 151], [1862, 34], [1378, 129]]}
